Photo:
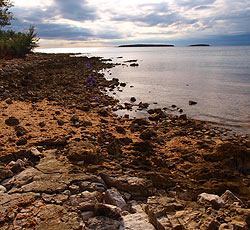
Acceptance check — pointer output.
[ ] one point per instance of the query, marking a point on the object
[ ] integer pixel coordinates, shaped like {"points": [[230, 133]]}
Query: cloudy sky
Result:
{"points": [[75, 23]]}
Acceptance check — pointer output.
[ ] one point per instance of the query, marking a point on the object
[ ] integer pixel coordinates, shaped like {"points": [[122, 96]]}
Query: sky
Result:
{"points": [[78, 23]]}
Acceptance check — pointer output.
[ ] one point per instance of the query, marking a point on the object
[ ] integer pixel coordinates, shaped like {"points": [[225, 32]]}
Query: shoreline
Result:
{"points": [[63, 149]]}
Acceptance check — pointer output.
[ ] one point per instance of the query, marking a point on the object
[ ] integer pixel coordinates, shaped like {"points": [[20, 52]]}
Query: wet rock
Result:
{"points": [[183, 117], [192, 102], [12, 121], [123, 84], [214, 200], [134, 64], [143, 105], [132, 99], [20, 131], [113, 197]]}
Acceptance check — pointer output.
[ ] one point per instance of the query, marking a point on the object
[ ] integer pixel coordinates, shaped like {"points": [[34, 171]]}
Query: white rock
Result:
{"points": [[212, 199]]}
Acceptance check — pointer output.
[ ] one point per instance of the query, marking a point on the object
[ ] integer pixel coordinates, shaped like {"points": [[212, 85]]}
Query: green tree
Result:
{"points": [[5, 15]]}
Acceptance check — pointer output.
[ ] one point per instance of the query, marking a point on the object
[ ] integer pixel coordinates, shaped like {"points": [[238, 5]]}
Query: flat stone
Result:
{"points": [[214, 200], [137, 220]]}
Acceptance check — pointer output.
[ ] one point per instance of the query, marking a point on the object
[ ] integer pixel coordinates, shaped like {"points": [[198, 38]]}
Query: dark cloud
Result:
{"points": [[195, 3], [75, 10], [155, 15]]}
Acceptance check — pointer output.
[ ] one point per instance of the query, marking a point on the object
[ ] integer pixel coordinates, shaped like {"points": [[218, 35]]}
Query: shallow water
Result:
{"points": [[217, 78]]}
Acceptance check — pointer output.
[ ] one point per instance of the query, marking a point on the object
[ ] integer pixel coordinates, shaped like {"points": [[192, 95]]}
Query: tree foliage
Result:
{"points": [[14, 44], [5, 15]]}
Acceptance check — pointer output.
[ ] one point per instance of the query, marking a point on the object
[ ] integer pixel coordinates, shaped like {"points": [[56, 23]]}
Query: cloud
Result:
{"points": [[75, 10]]}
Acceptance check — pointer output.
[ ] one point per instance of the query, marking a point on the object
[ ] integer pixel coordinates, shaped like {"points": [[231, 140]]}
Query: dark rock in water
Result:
{"points": [[20, 131], [134, 64], [132, 99], [143, 105], [173, 106], [192, 102], [151, 111], [126, 116], [12, 121], [123, 84]]}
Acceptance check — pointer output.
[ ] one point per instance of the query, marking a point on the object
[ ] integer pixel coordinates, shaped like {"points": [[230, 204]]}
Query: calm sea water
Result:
{"points": [[217, 78]]}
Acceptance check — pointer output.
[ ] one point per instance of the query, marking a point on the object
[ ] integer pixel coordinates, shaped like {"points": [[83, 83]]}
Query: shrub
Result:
{"points": [[17, 44]]}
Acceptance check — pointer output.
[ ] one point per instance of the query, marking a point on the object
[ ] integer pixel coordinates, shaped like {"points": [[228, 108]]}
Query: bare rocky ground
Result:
{"points": [[67, 162]]}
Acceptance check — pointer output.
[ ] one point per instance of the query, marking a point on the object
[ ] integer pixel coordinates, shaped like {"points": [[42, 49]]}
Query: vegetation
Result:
{"points": [[14, 44]]}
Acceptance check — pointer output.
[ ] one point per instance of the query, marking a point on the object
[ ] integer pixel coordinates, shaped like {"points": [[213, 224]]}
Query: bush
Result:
{"points": [[13, 44]]}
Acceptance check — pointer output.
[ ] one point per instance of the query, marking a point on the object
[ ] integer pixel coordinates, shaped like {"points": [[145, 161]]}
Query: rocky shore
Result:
{"points": [[68, 162]]}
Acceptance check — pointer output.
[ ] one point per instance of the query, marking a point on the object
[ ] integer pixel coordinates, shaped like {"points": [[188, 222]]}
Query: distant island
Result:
{"points": [[200, 45], [146, 45]]}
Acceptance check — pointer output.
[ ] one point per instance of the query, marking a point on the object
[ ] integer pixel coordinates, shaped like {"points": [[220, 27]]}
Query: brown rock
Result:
{"points": [[12, 121]]}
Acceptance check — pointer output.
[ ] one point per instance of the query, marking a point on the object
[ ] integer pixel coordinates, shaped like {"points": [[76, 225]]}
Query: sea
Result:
{"points": [[217, 78]]}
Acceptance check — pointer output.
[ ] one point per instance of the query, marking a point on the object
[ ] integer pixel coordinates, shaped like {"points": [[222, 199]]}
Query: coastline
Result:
{"points": [[66, 140]]}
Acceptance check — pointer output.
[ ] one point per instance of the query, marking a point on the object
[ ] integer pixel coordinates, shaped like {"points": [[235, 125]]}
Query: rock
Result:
{"points": [[213, 225], [134, 64], [143, 105], [87, 215], [107, 210], [41, 124], [74, 119], [123, 84], [35, 152], [120, 129], [138, 220], [5, 173], [17, 166], [148, 134], [132, 99], [214, 200], [60, 122], [2, 189], [114, 148], [12, 121], [21, 141], [103, 112], [134, 185], [229, 198], [9, 101], [140, 121], [113, 197], [183, 117], [20, 131], [226, 226], [83, 151], [102, 223], [192, 102]]}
